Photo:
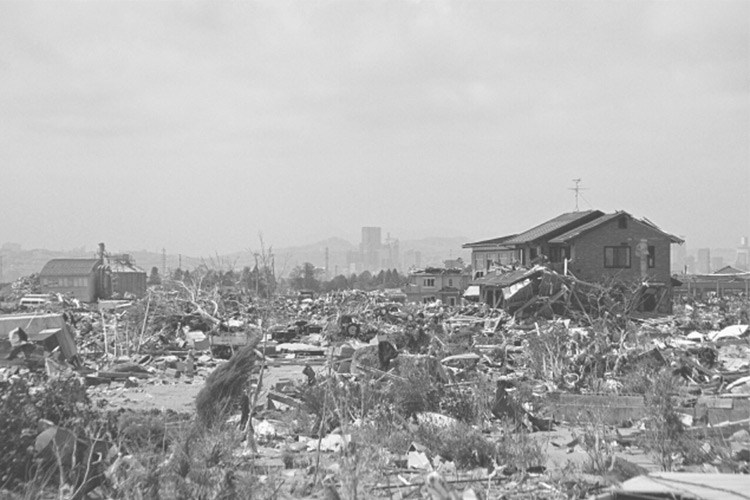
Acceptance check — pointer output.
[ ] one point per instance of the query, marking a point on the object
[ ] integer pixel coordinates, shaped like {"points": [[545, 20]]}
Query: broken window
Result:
{"points": [[651, 256], [617, 257], [428, 282]]}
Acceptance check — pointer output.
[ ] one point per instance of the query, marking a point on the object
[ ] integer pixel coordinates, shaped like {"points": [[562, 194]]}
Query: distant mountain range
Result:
{"points": [[17, 262]]}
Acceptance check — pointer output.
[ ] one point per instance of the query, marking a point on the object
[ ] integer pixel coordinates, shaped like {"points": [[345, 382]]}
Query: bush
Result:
{"points": [[23, 402]]}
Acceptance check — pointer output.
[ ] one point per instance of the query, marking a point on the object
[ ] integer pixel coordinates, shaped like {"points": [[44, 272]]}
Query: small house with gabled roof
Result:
{"points": [[592, 246], [78, 278]]}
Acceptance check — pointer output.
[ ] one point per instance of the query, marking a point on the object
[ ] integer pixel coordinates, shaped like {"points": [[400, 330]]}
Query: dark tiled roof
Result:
{"points": [[69, 267], [563, 238], [574, 233], [552, 227]]}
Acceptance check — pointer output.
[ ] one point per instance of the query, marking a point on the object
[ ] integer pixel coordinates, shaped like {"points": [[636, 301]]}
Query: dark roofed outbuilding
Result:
{"points": [[73, 277]]}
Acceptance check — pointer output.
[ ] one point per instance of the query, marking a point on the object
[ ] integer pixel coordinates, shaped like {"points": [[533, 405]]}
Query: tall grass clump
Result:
{"points": [[225, 386]]}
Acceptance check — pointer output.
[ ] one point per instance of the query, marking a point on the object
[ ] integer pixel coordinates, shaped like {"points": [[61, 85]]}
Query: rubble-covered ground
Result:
{"points": [[211, 392]]}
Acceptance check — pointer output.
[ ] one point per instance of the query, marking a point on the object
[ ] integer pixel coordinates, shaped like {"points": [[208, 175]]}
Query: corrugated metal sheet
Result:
{"points": [[69, 267], [123, 267], [501, 280], [553, 225]]}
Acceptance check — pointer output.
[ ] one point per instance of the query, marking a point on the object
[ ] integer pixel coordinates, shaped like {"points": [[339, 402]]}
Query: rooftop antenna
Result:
{"points": [[578, 190]]}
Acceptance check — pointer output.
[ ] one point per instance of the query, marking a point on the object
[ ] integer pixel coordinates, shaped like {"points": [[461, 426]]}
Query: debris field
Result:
{"points": [[197, 391]]}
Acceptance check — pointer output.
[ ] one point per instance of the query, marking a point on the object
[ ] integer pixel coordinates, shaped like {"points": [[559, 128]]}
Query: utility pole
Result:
{"points": [[327, 278], [577, 190]]}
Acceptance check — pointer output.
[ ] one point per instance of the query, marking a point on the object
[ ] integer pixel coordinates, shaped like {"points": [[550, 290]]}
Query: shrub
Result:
{"points": [[23, 401]]}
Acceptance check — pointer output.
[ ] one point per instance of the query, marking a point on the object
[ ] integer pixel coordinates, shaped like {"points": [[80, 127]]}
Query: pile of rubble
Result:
{"points": [[555, 376]]}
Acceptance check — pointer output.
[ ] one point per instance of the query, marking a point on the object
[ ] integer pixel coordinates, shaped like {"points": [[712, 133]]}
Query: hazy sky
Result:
{"points": [[193, 126]]}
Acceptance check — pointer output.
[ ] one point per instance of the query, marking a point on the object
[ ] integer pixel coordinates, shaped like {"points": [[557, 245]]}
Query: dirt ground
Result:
{"points": [[162, 393], [176, 394]]}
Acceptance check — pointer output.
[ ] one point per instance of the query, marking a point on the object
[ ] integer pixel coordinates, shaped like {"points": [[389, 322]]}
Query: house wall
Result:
{"points": [[417, 291], [587, 252]]}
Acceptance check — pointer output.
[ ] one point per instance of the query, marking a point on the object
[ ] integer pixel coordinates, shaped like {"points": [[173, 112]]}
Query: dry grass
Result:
{"points": [[225, 386]]}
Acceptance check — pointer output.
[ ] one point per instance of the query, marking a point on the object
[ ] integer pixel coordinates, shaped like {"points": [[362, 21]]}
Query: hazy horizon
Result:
{"points": [[195, 126]]}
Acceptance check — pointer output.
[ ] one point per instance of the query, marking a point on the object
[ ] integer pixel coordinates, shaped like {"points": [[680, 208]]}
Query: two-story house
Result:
{"points": [[592, 246], [431, 284]]}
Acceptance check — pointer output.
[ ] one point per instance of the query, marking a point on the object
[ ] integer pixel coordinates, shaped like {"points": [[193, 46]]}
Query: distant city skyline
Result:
{"points": [[195, 126]]}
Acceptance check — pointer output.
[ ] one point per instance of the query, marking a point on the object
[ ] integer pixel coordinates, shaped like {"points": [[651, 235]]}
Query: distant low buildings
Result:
{"points": [[88, 280]]}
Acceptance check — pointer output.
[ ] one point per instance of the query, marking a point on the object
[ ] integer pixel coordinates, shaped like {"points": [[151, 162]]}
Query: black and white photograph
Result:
{"points": [[374, 249]]}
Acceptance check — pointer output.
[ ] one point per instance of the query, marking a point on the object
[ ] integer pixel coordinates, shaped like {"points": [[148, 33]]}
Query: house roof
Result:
{"points": [[493, 241], [554, 226], [729, 270], [577, 231], [69, 267]]}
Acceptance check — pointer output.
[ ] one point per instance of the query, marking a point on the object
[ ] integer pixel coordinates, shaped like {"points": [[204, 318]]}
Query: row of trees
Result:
{"points": [[309, 277]]}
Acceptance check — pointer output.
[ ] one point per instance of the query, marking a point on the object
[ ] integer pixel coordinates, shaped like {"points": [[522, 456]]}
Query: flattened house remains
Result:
{"points": [[588, 246]]}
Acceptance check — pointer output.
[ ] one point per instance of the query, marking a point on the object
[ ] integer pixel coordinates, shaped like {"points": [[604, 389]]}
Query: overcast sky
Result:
{"points": [[195, 126]]}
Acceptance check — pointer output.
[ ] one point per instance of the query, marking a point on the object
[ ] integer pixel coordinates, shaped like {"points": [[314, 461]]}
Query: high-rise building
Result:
{"points": [[704, 261], [413, 259], [679, 254], [391, 256], [743, 255], [371, 248]]}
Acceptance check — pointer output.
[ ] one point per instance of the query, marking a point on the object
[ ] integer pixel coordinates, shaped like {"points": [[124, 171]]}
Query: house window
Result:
{"points": [[478, 274], [622, 223], [617, 257], [428, 300], [450, 281], [651, 256], [452, 301], [428, 282]]}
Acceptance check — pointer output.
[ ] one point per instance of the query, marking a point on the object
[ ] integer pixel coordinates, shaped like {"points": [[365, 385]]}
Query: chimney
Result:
{"points": [[101, 252]]}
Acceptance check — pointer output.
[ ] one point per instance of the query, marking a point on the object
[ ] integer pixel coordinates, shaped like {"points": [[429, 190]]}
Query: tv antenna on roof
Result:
{"points": [[578, 190]]}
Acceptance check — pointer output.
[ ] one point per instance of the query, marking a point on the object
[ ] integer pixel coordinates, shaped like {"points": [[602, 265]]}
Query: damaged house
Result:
{"points": [[434, 283], [590, 246]]}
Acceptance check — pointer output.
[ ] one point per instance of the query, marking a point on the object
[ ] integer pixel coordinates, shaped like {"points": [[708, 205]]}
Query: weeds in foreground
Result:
{"points": [[666, 436]]}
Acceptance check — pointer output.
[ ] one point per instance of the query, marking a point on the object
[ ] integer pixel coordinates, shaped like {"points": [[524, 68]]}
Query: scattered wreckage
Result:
{"points": [[558, 353]]}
